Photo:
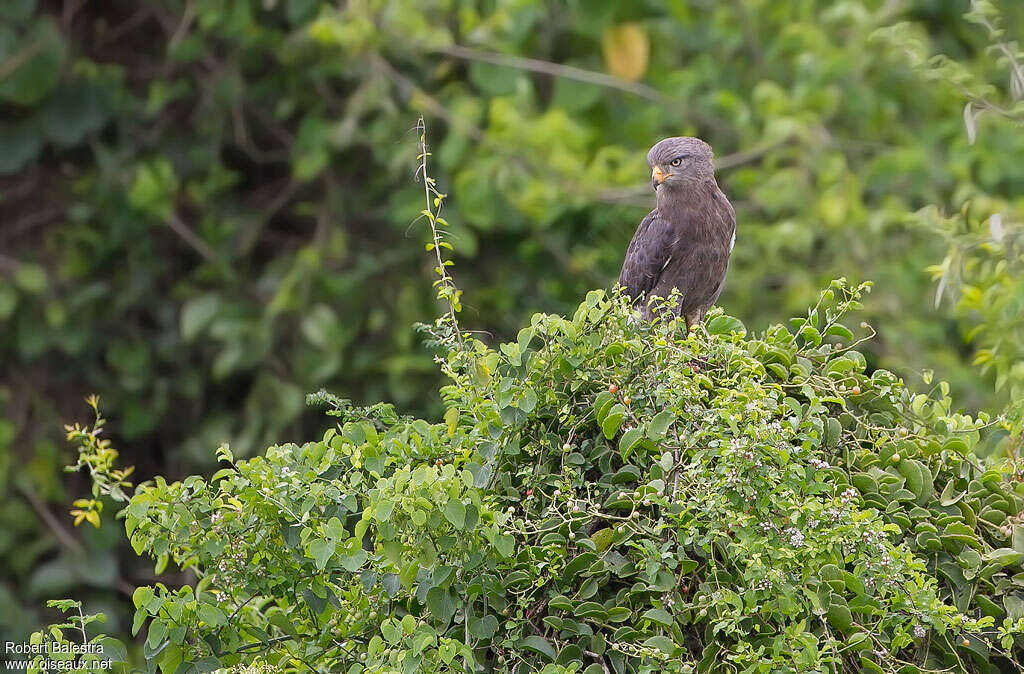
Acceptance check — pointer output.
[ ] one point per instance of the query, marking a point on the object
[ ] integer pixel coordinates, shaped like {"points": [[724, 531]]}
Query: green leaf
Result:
{"points": [[810, 335], [603, 538], [660, 424], [197, 313], [207, 664], [354, 561], [157, 632], [628, 442], [602, 403], [211, 615], [919, 479], [321, 327], [538, 645], [838, 330], [321, 550], [505, 544], [833, 432], [660, 616], [113, 649], [37, 60], [72, 111], [726, 325], [840, 617], [138, 620], [1014, 606], [455, 512], [613, 420], [391, 633], [578, 563], [22, 143], [1004, 556], [662, 643], [484, 627], [31, 278]]}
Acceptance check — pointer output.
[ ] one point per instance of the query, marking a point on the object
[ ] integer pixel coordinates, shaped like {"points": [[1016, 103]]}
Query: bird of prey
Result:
{"points": [[685, 242]]}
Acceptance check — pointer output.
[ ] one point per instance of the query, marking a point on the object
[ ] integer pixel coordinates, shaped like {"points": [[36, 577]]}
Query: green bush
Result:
{"points": [[604, 495], [207, 204]]}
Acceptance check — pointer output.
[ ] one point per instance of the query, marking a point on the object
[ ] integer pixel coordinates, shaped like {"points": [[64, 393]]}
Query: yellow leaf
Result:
{"points": [[626, 50], [451, 419]]}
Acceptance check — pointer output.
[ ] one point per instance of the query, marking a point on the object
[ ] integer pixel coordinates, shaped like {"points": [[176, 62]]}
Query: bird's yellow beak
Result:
{"points": [[658, 176]]}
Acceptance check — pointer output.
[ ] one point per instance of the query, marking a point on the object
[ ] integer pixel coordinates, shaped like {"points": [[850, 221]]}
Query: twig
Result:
{"points": [[251, 235], [125, 27], [735, 159], [190, 237], [81, 626], [71, 8], [65, 539], [587, 76], [31, 221], [19, 58], [413, 91], [187, 17], [555, 70]]}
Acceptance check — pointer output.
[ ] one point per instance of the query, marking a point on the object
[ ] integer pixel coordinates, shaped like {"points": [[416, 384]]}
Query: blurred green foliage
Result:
{"points": [[207, 204], [983, 266]]}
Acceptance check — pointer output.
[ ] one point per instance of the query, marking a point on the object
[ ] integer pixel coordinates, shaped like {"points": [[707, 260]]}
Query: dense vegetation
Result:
{"points": [[602, 495], [208, 208]]}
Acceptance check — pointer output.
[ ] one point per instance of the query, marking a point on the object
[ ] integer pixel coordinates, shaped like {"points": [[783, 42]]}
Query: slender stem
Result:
{"points": [[555, 70], [433, 213]]}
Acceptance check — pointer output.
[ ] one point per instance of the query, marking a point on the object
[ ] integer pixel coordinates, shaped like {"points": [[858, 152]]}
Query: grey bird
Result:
{"points": [[686, 241]]}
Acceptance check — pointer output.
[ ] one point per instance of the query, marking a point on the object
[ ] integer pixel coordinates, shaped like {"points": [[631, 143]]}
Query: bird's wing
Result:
{"points": [[647, 256]]}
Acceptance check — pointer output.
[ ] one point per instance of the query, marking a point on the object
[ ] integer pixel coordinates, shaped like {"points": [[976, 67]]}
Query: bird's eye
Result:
{"points": [[676, 162]]}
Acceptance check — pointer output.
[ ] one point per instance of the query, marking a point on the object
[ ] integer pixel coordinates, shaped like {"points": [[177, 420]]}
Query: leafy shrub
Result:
{"points": [[221, 187], [605, 495]]}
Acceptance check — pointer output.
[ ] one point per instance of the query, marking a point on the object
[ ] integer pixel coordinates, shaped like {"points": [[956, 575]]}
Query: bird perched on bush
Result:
{"points": [[685, 242]]}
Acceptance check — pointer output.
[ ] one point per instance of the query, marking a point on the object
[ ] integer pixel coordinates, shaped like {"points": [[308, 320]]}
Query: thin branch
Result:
{"points": [[554, 70], [126, 26], [71, 8], [65, 539], [31, 221], [191, 238], [413, 92], [187, 17], [735, 159], [18, 59]]}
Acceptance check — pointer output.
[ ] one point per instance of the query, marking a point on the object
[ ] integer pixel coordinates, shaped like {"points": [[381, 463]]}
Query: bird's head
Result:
{"points": [[680, 161]]}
